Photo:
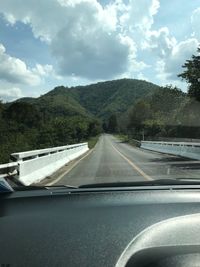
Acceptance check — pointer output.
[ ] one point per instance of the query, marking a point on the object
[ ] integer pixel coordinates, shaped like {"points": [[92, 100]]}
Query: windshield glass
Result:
{"points": [[99, 91]]}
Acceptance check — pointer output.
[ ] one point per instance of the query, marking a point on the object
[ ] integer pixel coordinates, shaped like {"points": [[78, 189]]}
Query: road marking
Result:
{"points": [[141, 172], [65, 173]]}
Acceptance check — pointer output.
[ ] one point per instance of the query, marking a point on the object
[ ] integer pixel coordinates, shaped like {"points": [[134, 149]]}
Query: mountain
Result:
{"points": [[104, 98], [95, 100], [61, 105], [68, 115], [57, 103], [101, 99]]}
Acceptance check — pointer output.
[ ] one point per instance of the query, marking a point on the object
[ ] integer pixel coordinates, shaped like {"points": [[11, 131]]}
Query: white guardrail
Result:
{"points": [[183, 149], [33, 166], [8, 169]]}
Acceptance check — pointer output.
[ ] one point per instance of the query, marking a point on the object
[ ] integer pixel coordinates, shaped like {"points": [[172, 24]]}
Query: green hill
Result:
{"points": [[71, 115], [104, 98], [60, 105], [95, 100]]}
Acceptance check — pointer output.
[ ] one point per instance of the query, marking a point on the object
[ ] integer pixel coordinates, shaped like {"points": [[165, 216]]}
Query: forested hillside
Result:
{"points": [[158, 115], [26, 126], [105, 98], [65, 115]]}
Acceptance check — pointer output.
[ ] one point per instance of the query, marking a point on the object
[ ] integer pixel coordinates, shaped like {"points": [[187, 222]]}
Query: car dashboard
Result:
{"points": [[126, 227]]}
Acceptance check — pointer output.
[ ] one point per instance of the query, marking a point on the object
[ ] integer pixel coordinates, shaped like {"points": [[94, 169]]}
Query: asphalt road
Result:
{"points": [[114, 161]]}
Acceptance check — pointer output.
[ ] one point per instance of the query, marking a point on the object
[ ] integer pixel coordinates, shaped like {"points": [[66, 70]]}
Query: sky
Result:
{"points": [[47, 43]]}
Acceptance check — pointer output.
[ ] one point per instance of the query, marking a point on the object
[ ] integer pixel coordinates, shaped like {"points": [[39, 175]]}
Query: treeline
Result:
{"points": [[167, 113], [24, 126], [65, 115]]}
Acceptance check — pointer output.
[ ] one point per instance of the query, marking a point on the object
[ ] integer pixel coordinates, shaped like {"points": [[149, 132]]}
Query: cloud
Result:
{"points": [[140, 15], [171, 54], [92, 55], [10, 93], [45, 71], [195, 21], [141, 76], [138, 18], [84, 36], [14, 70], [160, 42], [91, 41], [171, 66]]}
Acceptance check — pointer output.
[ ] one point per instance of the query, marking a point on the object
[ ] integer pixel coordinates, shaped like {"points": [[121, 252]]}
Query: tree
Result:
{"points": [[94, 128], [24, 113], [104, 126], [166, 99], [192, 75], [140, 112], [1, 105], [113, 124]]}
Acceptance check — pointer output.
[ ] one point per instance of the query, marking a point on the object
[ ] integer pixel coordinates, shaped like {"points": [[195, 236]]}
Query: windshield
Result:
{"points": [[99, 91]]}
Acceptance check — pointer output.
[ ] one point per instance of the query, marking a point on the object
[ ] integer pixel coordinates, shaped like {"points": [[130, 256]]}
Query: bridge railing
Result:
{"points": [[8, 169], [184, 149], [33, 166]]}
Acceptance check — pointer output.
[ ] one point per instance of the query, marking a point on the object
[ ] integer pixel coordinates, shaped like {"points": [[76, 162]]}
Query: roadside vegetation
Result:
{"points": [[23, 126], [168, 113], [92, 141], [127, 139]]}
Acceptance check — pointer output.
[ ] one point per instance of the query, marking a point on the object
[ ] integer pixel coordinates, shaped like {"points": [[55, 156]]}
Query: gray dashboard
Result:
{"points": [[103, 227]]}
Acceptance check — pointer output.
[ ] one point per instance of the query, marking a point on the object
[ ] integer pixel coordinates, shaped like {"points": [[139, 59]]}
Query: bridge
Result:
{"points": [[110, 161]]}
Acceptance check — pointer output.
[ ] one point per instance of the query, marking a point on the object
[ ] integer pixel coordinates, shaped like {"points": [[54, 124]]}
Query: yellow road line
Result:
{"points": [[65, 173], [135, 167]]}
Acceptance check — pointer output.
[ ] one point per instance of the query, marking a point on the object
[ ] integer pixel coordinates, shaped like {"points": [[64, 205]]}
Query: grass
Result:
{"points": [[92, 141], [122, 137], [126, 139]]}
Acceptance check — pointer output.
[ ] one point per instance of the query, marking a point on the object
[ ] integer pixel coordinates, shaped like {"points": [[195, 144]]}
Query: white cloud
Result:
{"points": [[94, 42], [94, 54], [160, 42], [195, 21], [172, 54], [141, 76], [83, 35], [35, 14], [171, 66], [9, 94], [162, 45], [138, 18], [44, 71], [14, 70]]}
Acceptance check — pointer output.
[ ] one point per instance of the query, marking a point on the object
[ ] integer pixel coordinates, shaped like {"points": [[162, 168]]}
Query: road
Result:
{"points": [[114, 161]]}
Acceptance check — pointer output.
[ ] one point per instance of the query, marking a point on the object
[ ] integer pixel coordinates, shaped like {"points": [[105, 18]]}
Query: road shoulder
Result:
{"points": [[59, 174]]}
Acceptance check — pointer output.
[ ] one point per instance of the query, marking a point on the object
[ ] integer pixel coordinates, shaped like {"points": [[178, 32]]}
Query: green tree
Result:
{"points": [[192, 75], [23, 113], [94, 128], [104, 126], [138, 115], [113, 124], [1, 106]]}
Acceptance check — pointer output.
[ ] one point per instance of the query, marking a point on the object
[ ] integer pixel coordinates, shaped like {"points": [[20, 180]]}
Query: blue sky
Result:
{"points": [[71, 42]]}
